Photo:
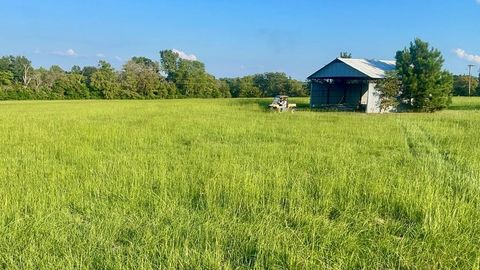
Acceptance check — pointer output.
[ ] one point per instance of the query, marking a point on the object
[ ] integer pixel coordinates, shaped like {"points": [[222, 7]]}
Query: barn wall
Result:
{"points": [[373, 104], [337, 93], [355, 92], [348, 93], [318, 95]]}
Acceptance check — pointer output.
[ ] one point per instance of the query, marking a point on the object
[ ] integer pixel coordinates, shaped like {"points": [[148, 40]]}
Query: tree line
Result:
{"points": [[139, 78], [461, 85]]}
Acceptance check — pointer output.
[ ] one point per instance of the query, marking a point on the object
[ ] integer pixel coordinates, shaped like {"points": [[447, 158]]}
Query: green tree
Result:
{"points": [[223, 89], [140, 79], [478, 87], [54, 74], [105, 81], [192, 80], [271, 84], [345, 55], [88, 72], [389, 90], [43, 81], [19, 66], [243, 87], [425, 85], [277, 83], [247, 88], [71, 86], [189, 77], [76, 70], [6, 78], [38, 82], [169, 63], [22, 70], [146, 63], [5, 63], [297, 89]]}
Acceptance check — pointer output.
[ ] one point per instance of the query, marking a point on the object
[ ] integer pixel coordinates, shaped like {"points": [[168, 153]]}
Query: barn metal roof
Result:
{"points": [[354, 68]]}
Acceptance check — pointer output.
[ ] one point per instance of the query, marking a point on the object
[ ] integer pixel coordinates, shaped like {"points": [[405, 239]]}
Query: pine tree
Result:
{"points": [[426, 86]]}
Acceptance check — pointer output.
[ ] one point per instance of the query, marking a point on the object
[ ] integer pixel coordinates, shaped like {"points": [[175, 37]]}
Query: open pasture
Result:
{"points": [[224, 184]]}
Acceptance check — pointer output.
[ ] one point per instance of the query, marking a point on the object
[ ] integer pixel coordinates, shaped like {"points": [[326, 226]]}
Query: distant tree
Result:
{"points": [[71, 86], [57, 70], [245, 87], [140, 79], [43, 81], [277, 83], [460, 85], [266, 85], [192, 80], [19, 66], [54, 73], [6, 78], [425, 85], [389, 90], [39, 79], [169, 63], [105, 81], [76, 70], [223, 89], [345, 55], [88, 72], [478, 87], [6, 64], [271, 84], [297, 89], [23, 68], [146, 63], [189, 77]]}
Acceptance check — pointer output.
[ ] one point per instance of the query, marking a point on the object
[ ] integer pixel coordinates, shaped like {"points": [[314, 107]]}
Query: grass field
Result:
{"points": [[223, 184]]}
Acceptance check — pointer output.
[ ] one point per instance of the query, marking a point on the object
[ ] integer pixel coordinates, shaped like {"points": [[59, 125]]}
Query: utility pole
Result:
{"points": [[470, 79]]}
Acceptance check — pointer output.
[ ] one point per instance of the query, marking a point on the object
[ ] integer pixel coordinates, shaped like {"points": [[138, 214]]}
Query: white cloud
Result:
{"points": [[186, 56], [68, 53], [469, 57], [118, 58], [100, 55]]}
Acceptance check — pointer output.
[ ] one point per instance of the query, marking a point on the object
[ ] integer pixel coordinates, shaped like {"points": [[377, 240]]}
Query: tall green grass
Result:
{"points": [[223, 184]]}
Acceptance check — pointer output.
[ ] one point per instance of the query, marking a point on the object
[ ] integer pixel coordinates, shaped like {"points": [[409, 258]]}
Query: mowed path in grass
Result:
{"points": [[223, 184]]}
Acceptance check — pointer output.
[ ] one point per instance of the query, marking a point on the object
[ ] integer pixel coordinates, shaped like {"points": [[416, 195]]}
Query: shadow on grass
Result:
{"points": [[465, 107], [465, 104]]}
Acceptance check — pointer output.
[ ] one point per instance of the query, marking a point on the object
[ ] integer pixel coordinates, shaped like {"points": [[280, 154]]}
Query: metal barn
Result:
{"points": [[349, 84]]}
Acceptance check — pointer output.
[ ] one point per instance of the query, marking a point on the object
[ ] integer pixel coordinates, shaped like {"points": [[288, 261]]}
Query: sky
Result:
{"points": [[238, 37]]}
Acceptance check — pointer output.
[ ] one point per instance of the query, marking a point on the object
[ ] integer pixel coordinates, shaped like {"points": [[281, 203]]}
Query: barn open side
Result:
{"points": [[349, 84]]}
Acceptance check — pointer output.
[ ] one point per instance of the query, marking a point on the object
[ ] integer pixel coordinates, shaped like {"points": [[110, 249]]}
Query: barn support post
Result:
{"points": [[311, 91], [328, 93]]}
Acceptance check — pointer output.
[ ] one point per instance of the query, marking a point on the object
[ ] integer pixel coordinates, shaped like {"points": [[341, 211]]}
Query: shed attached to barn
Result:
{"points": [[349, 83]]}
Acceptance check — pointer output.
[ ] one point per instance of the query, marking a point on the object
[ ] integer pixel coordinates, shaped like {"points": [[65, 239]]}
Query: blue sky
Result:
{"points": [[234, 38]]}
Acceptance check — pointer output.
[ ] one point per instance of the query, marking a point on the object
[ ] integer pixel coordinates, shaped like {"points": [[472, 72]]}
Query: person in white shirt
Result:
{"points": [[283, 104]]}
